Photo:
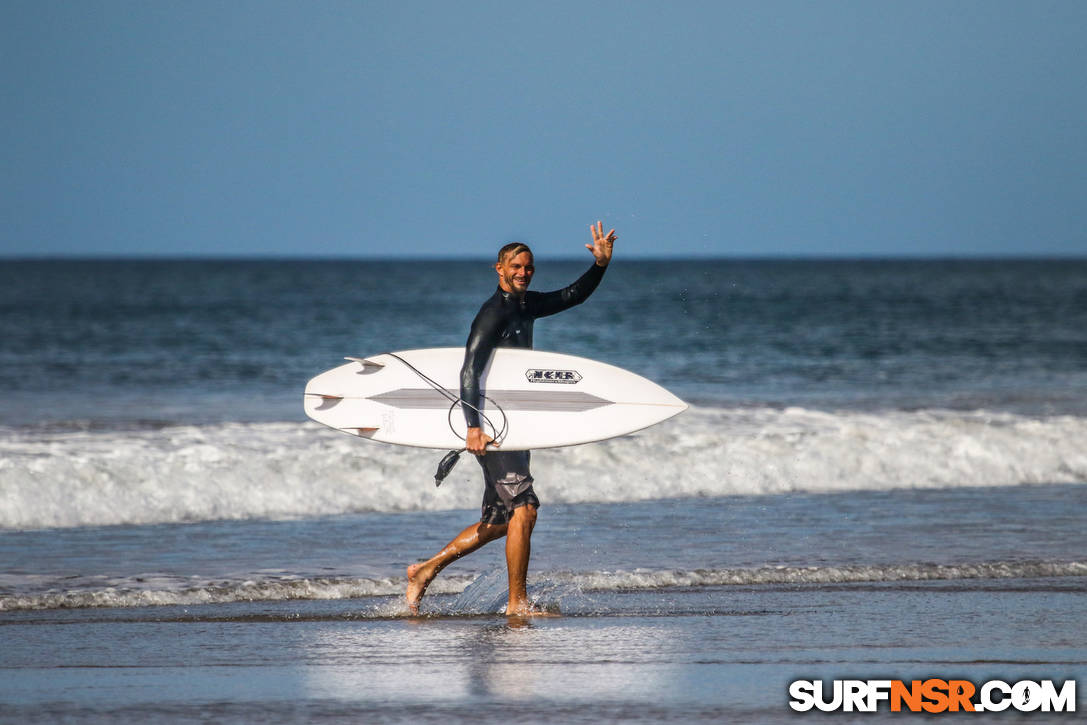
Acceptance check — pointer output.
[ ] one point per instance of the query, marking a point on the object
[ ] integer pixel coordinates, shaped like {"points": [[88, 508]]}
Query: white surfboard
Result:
{"points": [[533, 399]]}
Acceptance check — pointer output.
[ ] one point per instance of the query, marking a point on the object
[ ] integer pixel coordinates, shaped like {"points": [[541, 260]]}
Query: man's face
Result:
{"points": [[515, 272]]}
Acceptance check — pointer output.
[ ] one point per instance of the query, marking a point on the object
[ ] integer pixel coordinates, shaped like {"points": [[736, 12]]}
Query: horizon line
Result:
{"points": [[905, 257]]}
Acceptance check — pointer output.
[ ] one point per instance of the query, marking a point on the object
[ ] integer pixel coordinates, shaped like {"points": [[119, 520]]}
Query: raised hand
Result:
{"points": [[602, 243]]}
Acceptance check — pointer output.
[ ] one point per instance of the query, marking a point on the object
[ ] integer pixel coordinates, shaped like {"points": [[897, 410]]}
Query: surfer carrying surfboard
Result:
{"points": [[509, 503]]}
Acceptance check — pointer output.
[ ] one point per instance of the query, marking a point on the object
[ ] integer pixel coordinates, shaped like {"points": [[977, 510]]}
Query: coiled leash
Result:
{"points": [[449, 460]]}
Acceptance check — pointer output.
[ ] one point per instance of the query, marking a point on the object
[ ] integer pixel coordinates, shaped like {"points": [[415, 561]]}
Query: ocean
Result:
{"points": [[881, 476]]}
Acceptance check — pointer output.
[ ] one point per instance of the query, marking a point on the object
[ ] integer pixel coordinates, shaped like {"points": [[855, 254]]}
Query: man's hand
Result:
{"points": [[476, 442], [601, 246]]}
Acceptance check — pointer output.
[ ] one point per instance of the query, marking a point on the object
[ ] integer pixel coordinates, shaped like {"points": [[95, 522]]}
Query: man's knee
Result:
{"points": [[490, 532], [524, 516]]}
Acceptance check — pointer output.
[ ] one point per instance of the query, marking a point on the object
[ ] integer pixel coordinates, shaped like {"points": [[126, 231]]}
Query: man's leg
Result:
{"points": [[420, 575], [518, 550]]}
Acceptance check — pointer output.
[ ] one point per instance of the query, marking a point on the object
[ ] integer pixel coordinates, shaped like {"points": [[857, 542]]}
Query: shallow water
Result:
{"points": [[685, 609], [864, 536], [672, 655]]}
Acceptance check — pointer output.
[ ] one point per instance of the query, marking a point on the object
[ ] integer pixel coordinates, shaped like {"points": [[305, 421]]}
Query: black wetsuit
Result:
{"points": [[505, 320]]}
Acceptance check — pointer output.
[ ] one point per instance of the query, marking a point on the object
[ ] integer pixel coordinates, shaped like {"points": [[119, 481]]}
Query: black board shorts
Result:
{"points": [[507, 484]]}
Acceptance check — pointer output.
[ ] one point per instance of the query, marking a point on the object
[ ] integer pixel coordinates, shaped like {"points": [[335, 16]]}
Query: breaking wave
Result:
{"points": [[71, 476]]}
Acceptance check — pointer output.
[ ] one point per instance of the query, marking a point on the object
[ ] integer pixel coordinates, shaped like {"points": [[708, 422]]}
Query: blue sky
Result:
{"points": [[440, 129]]}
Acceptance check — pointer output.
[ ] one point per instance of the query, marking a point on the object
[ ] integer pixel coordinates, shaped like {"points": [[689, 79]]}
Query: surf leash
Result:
{"points": [[450, 459]]}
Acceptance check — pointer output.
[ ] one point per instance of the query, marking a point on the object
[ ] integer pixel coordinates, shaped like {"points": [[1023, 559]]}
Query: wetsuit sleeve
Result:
{"points": [[549, 303], [482, 340]]}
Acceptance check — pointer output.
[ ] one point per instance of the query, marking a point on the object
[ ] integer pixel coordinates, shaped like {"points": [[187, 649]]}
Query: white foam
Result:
{"points": [[285, 470], [662, 579], [147, 591], [487, 592]]}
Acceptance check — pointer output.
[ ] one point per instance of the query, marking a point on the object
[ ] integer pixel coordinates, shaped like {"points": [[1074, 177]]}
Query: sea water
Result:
{"points": [[881, 475]]}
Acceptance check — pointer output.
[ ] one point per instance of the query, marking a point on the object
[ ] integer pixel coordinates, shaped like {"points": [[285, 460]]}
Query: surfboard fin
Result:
{"points": [[327, 401], [368, 366], [361, 432]]}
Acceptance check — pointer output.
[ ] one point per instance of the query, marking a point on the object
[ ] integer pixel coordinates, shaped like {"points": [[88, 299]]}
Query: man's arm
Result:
{"points": [[550, 303], [482, 340]]}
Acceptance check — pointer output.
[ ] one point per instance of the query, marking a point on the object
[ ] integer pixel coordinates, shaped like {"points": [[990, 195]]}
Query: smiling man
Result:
{"points": [[509, 503]]}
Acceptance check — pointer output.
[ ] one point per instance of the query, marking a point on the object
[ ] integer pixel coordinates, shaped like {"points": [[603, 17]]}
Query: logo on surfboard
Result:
{"points": [[553, 376]]}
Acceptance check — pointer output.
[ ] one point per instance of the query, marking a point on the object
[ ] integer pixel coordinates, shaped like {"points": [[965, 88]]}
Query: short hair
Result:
{"points": [[512, 250]]}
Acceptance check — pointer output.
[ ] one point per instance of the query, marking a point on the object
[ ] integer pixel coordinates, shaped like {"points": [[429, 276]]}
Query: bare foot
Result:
{"points": [[417, 584], [526, 609]]}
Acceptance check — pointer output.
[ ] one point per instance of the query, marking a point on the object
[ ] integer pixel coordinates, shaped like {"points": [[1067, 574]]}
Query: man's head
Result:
{"points": [[515, 268]]}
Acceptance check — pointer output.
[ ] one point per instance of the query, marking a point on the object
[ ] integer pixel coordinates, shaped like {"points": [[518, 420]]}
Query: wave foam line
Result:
{"points": [[649, 579], [285, 470], [615, 581], [269, 590]]}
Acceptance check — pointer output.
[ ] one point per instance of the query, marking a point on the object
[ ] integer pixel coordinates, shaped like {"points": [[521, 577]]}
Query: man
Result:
{"points": [[509, 503]]}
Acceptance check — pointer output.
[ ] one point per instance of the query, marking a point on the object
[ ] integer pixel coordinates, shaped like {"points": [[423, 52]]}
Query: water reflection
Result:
{"points": [[513, 659]]}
